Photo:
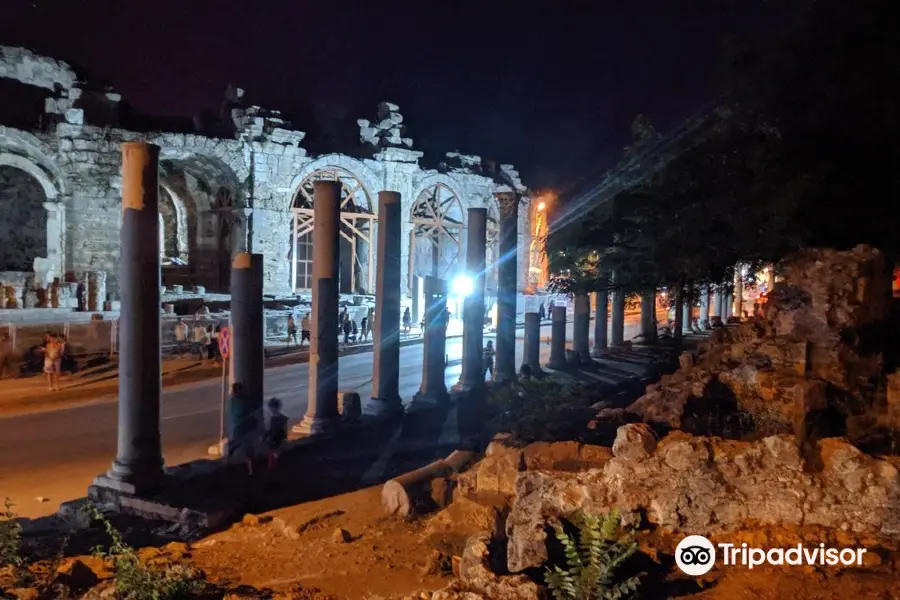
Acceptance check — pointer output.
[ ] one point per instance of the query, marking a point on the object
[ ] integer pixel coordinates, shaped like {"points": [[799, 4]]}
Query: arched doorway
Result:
{"points": [[357, 244], [23, 220], [437, 219], [201, 206]]}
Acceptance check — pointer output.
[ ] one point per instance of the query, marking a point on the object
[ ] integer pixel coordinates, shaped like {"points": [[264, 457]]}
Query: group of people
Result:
{"points": [[347, 327], [206, 338]]}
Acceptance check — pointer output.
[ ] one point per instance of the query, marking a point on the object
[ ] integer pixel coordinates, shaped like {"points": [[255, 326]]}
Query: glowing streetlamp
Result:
{"points": [[463, 286], [542, 206]]}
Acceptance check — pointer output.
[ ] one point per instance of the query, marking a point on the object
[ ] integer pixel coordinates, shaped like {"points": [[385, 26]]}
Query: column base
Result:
{"points": [[426, 400], [598, 352], [466, 386], [383, 408], [315, 425], [132, 479], [536, 370]]}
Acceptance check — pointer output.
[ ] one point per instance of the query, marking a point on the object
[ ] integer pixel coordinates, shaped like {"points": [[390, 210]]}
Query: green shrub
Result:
{"points": [[136, 580], [592, 559], [10, 536]]}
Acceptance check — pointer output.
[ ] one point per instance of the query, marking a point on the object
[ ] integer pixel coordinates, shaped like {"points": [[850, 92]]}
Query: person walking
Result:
{"points": [[407, 321], [291, 330], [305, 330]]}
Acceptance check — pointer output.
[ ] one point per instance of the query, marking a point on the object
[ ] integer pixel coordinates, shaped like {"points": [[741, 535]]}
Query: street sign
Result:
{"points": [[225, 342]]}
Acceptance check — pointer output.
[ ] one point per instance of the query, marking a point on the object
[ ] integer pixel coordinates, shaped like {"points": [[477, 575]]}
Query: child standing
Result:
{"points": [[276, 434]]}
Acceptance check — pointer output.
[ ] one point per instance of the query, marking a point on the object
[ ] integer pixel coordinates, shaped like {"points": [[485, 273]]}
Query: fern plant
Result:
{"points": [[592, 559], [10, 536]]}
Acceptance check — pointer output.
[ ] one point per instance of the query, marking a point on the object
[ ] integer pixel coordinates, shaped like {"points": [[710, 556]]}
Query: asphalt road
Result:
{"points": [[55, 455]]}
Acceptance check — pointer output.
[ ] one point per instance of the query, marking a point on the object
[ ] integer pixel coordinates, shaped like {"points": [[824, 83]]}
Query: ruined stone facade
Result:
{"points": [[60, 186]]}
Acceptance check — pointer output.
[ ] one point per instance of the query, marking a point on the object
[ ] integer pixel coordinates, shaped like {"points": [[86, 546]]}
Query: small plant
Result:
{"points": [[591, 560], [10, 536], [136, 580]]}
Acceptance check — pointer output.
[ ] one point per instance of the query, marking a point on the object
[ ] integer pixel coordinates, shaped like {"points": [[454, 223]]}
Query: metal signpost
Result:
{"points": [[225, 351]]}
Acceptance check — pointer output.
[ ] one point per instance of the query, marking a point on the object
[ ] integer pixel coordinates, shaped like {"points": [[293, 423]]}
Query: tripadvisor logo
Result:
{"points": [[695, 555]]}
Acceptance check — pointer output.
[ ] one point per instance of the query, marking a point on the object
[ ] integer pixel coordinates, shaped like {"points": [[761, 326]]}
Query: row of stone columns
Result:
{"points": [[139, 464]]}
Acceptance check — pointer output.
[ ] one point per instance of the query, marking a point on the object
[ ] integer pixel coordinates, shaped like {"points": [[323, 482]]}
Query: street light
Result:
{"points": [[542, 206], [463, 286]]}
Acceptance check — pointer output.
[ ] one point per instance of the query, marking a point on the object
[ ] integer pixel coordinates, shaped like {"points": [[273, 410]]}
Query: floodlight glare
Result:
{"points": [[463, 286]]}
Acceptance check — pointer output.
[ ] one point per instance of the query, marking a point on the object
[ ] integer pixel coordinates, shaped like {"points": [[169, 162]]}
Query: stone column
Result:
{"points": [[473, 306], [728, 308], [581, 342], [386, 329], [506, 287], [433, 390], [601, 325], [618, 317], [532, 353], [704, 306], [738, 293], [138, 467], [322, 409], [715, 304], [648, 317], [678, 324], [558, 338], [688, 313], [247, 357]]}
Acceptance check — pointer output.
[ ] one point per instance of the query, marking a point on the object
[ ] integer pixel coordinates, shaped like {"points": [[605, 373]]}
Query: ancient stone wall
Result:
{"points": [[220, 195]]}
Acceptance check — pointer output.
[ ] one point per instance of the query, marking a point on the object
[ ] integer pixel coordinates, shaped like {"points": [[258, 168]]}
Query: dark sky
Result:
{"points": [[549, 85]]}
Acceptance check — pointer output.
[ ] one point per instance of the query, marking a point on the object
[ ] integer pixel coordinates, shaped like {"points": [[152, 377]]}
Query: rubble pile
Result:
{"points": [[681, 484], [801, 368], [387, 131]]}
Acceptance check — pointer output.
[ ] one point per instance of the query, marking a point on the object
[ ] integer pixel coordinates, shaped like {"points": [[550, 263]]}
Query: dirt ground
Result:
{"points": [[379, 555]]}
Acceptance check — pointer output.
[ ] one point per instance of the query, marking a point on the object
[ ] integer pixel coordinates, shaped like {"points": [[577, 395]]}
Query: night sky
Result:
{"points": [[551, 87]]}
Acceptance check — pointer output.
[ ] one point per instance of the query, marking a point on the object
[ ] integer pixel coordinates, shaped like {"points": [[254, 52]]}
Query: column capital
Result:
{"points": [[508, 203], [55, 207]]}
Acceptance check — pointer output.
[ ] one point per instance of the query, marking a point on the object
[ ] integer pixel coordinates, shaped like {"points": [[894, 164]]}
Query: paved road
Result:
{"points": [[55, 455]]}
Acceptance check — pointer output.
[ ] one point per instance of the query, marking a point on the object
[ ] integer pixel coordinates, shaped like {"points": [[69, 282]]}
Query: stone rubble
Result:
{"points": [[805, 356], [708, 486]]}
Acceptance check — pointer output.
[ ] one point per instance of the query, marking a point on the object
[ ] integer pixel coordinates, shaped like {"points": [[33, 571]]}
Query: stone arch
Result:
{"points": [[367, 176], [438, 218], [174, 242], [31, 216], [208, 206], [357, 230]]}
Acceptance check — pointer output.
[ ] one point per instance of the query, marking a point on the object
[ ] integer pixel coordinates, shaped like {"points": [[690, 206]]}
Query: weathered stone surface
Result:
{"points": [[465, 517], [476, 574], [497, 472], [708, 486], [635, 442], [564, 456]]}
